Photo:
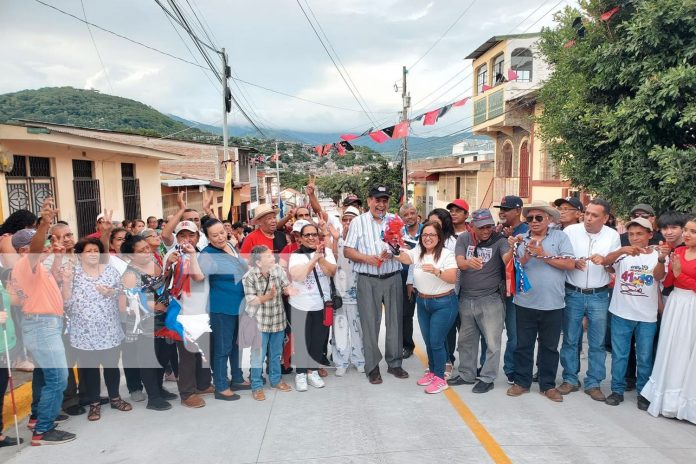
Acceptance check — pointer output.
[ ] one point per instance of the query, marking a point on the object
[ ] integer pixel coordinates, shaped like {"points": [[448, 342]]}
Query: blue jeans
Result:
{"points": [[436, 317], [621, 332], [511, 332], [271, 343], [42, 335], [225, 349], [595, 306]]}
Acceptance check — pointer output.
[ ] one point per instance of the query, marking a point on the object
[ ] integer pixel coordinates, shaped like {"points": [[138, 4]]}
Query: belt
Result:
{"points": [[432, 297], [379, 276], [586, 291]]}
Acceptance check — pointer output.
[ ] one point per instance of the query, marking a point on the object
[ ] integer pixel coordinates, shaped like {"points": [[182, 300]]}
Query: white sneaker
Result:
{"points": [[314, 380], [361, 369], [340, 371], [301, 382]]}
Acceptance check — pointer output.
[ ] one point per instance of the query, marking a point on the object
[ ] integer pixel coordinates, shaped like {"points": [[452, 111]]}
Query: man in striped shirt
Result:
{"points": [[379, 283]]}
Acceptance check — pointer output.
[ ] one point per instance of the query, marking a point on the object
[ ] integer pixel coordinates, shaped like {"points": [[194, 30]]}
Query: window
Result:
{"points": [[521, 63], [29, 183], [131, 191], [549, 169], [87, 198], [481, 78], [505, 167], [499, 69]]}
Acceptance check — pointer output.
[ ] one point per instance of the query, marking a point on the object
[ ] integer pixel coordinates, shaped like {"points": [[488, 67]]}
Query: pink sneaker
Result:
{"points": [[436, 386], [426, 379]]}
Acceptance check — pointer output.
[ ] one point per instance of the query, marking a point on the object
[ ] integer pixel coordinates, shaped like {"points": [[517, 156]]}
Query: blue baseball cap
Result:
{"points": [[510, 202]]}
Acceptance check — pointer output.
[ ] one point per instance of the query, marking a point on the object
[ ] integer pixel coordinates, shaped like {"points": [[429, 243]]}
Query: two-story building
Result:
{"points": [[507, 74]]}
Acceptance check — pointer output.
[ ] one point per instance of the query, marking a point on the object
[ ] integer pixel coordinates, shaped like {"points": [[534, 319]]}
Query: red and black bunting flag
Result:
{"points": [[349, 137], [431, 117], [444, 110], [569, 43], [326, 150], [319, 149], [461, 102], [389, 131], [486, 88], [400, 130], [346, 145], [419, 117], [378, 136], [340, 149], [366, 132], [607, 16]]}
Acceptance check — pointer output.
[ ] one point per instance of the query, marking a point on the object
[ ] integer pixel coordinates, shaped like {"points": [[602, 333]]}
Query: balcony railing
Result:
{"points": [[519, 186], [489, 106]]}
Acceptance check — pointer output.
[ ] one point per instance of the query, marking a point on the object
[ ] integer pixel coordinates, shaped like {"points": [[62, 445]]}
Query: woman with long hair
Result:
{"points": [[310, 268], [442, 217], [434, 275], [90, 291]]}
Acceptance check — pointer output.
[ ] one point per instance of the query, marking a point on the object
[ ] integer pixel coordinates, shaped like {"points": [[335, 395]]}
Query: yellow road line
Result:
{"points": [[486, 439], [22, 396]]}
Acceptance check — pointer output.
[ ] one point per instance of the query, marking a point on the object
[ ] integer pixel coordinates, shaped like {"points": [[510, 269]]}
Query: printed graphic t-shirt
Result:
{"points": [[636, 291]]}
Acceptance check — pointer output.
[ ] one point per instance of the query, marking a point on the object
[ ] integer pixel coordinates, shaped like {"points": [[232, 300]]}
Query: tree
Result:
{"points": [[619, 109]]}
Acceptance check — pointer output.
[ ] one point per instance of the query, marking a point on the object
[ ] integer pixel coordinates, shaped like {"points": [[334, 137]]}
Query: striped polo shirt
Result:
{"points": [[365, 235]]}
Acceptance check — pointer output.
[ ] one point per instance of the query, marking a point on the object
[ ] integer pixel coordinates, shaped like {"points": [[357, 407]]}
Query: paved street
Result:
{"points": [[351, 421]]}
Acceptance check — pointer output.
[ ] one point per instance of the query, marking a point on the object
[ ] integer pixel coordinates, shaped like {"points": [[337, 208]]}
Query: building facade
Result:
{"points": [[507, 74]]}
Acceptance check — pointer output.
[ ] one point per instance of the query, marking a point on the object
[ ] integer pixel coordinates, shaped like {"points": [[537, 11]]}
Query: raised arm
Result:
{"points": [[168, 231]]}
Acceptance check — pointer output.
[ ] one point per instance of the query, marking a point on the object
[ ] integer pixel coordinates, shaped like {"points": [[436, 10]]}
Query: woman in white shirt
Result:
{"points": [[310, 266], [434, 275]]}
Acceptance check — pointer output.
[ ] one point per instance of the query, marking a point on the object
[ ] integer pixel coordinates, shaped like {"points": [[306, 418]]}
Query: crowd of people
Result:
{"points": [[182, 299]]}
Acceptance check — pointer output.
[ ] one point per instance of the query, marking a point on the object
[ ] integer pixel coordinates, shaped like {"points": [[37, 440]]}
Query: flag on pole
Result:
{"points": [[228, 193]]}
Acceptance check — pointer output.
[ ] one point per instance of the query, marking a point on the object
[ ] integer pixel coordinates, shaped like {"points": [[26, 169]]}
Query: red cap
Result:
{"points": [[459, 203]]}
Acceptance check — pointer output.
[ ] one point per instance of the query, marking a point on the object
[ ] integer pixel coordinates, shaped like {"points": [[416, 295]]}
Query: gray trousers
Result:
{"points": [[372, 294], [480, 317]]}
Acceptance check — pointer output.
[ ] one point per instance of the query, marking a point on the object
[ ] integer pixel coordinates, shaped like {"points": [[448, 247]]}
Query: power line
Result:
{"points": [[443, 35], [334, 62], [96, 49]]}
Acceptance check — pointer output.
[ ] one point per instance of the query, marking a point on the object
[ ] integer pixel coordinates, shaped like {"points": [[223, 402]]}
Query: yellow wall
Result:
{"points": [[107, 169], [488, 59]]}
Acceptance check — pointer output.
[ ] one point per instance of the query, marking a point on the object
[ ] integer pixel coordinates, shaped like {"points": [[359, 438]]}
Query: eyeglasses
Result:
{"points": [[311, 235], [429, 235], [643, 215], [537, 218]]}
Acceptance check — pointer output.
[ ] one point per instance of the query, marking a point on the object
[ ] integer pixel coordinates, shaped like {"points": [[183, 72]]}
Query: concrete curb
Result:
{"points": [[22, 396]]}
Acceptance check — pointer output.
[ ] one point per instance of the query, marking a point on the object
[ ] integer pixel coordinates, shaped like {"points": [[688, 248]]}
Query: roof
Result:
{"points": [[473, 166], [422, 176], [495, 40], [177, 179], [108, 131], [183, 182]]}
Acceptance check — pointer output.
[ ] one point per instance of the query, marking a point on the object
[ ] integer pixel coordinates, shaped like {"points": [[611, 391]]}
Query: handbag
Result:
{"points": [[336, 297], [328, 305]]}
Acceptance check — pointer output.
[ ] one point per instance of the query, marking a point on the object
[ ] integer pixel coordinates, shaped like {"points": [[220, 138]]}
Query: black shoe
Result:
{"points": [[286, 371], [232, 397], [75, 410], [478, 371], [643, 403], [482, 387], [167, 395], [242, 386], [158, 404], [60, 418], [630, 384], [52, 437], [535, 377], [614, 399], [407, 353], [397, 372], [10, 441], [459, 380]]}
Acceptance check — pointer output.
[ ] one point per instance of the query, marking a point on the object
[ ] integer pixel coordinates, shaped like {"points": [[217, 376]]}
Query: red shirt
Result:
{"points": [[687, 278], [256, 238]]}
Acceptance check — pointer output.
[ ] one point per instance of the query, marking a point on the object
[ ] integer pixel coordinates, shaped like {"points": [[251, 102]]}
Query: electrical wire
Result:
{"points": [[334, 63], [96, 49], [443, 35]]}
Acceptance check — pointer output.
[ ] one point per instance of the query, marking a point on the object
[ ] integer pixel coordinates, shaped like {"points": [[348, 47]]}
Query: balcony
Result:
{"points": [[519, 186], [489, 106]]}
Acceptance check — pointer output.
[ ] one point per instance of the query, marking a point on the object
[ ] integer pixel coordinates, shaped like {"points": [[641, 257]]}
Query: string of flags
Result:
{"points": [[579, 27]]}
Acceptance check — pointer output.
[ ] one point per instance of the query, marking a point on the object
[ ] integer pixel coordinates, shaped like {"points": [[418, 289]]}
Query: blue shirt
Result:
{"points": [[225, 274], [548, 283], [522, 228]]}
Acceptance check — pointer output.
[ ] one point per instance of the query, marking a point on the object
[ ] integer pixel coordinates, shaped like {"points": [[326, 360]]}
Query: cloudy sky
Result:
{"points": [[270, 43]]}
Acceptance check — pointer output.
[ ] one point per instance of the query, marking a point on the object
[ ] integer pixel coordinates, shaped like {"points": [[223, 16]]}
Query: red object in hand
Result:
{"points": [[394, 232]]}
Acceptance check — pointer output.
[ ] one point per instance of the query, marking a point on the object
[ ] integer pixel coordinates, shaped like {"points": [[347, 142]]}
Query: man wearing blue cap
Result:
{"points": [[481, 257]]}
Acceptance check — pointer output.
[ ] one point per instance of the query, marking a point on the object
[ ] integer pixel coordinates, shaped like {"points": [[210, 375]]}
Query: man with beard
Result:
{"points": [[481, 257]]}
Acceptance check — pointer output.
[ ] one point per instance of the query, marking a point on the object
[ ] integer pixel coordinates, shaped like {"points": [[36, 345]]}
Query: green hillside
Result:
{"points": [[89, 108]]}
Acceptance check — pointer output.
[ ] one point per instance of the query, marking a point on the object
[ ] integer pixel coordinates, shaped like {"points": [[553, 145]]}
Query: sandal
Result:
{"points": [[121, 405], [94, 412]]}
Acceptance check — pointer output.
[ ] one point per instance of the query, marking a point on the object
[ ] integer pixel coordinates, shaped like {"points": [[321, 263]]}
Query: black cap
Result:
{"points": [[379, 191], [352, 199], [572, 201], [510, 202]]}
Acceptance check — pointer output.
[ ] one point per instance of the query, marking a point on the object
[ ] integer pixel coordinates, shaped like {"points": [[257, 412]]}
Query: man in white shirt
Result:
{"points": [[379, 283], [587, 293]]}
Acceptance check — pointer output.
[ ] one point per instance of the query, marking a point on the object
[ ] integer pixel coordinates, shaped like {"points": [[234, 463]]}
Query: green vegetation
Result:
{"points": [[620, 108]]}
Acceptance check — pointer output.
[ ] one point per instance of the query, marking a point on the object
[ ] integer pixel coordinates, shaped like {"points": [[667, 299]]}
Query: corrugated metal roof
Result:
{"points": [[495, 40]]}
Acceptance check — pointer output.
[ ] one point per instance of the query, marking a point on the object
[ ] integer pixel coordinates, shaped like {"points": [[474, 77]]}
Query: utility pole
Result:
{"points": [[277, 160], [406, 101], [226, 107]]}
